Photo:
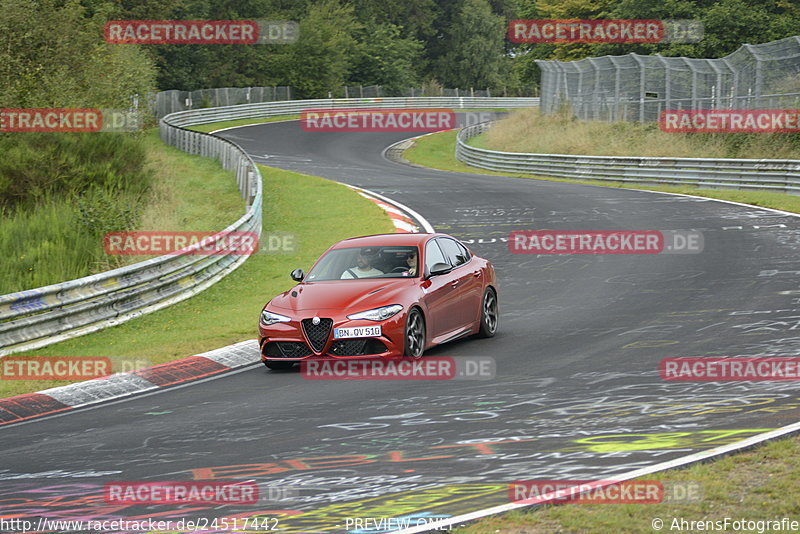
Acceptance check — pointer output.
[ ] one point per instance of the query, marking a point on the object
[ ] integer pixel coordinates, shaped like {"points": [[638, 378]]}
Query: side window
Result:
{"points": [[456, 254], [465, 252], [433, 254]]}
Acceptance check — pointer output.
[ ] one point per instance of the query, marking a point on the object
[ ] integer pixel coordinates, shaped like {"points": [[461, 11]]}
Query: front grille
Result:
{"points": [[357, 347], [317, 334], [348, 347], [293, 349], [286, 349]]}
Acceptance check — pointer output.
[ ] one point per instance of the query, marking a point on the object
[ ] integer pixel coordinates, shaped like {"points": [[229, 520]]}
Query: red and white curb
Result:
{"points": [[405, 219], [80, 394], [402, 223]]}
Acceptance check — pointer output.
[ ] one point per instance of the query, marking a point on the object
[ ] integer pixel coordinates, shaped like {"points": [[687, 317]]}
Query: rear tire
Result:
{"points": [[279, 366], [489, 314], [414, 339]]}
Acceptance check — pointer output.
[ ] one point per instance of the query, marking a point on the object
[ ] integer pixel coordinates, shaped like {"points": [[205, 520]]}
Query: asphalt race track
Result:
{"points": [[577, 394]]}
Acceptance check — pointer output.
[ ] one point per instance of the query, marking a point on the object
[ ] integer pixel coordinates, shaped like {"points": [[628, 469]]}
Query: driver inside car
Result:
{"points": [[363, 267], [411, 261]]}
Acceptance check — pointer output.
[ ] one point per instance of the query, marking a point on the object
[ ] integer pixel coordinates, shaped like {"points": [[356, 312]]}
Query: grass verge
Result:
{"points": [[61, 239], [760, 484], [213, 126], [561, 133], [437, 151], [316, 211], [59, 194], [191, 193]]}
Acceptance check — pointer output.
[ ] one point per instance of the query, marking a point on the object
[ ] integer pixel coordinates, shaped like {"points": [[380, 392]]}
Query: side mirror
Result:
{"points": [[298, 275], [440, 268]]}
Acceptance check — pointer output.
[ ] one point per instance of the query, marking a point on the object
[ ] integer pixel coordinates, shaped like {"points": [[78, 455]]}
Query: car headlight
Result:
{"points": [[378, 314], [269, 318]]}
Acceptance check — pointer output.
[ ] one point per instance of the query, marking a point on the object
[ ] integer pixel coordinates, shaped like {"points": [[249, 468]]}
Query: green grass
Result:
{"points": [[59, 194], [213, 126], [192, 193], [527, 130], [438, 152], [316, 211], [61, 239], [46, 245], [759, 484]]}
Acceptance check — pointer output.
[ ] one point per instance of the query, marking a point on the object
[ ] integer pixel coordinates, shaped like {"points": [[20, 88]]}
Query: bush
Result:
{"points": [[59, 195], [57, 165]]}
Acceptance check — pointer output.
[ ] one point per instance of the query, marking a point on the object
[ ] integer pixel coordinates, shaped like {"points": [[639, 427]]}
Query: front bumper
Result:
{"points": [[294, 342]]}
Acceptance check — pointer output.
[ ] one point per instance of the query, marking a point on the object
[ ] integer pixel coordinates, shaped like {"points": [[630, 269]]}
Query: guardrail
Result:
{"points": [[38, 317], [777, 175], [294, 107]]}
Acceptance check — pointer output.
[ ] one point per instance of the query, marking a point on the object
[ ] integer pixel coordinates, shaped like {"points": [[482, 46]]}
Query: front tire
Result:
{"points": [[279, 366], [489, 314], [414, 334]]}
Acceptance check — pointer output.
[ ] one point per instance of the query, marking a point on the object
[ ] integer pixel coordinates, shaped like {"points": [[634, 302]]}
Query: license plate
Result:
{"points": [[356, 331]]}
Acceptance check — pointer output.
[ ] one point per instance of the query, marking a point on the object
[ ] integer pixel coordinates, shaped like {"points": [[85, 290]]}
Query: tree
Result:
{"points": [[729, 23], [414, 18], [387, 59], [476, 48], [321, 58], [192, 67], [52, 54]]}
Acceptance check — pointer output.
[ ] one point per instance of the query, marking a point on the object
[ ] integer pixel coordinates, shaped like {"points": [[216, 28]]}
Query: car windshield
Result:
{"points": [[366, 262]]}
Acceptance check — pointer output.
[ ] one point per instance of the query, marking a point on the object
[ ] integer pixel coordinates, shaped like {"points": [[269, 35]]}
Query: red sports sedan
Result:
{"points": [[381, 296]]}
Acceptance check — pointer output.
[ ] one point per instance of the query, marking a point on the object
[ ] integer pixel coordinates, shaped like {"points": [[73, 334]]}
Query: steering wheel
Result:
{"points": [[399, 269]]}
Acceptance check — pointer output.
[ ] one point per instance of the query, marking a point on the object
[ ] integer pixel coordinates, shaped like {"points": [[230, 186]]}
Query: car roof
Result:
{"points": [[386, 239]]}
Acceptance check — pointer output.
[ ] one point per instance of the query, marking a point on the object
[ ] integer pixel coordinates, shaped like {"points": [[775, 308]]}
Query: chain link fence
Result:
{"points": [[167, 102], [638, 88], [378, 91]]}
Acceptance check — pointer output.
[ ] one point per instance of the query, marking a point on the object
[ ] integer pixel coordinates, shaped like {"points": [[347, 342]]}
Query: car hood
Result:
{"points": [[350, 295]]}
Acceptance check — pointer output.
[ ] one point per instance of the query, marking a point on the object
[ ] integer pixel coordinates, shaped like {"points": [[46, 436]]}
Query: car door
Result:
{"points": [[441, 294], [469, 276]]}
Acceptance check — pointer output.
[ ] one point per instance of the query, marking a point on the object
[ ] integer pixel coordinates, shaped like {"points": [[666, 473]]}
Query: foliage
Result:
{"points": [[393, 43], [52, 55], [320, 60], [475, 52], [37, 167], [386, 58]]}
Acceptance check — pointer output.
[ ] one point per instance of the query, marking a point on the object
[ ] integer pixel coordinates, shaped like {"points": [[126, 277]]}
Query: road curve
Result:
{"points": [[577, 394]]}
